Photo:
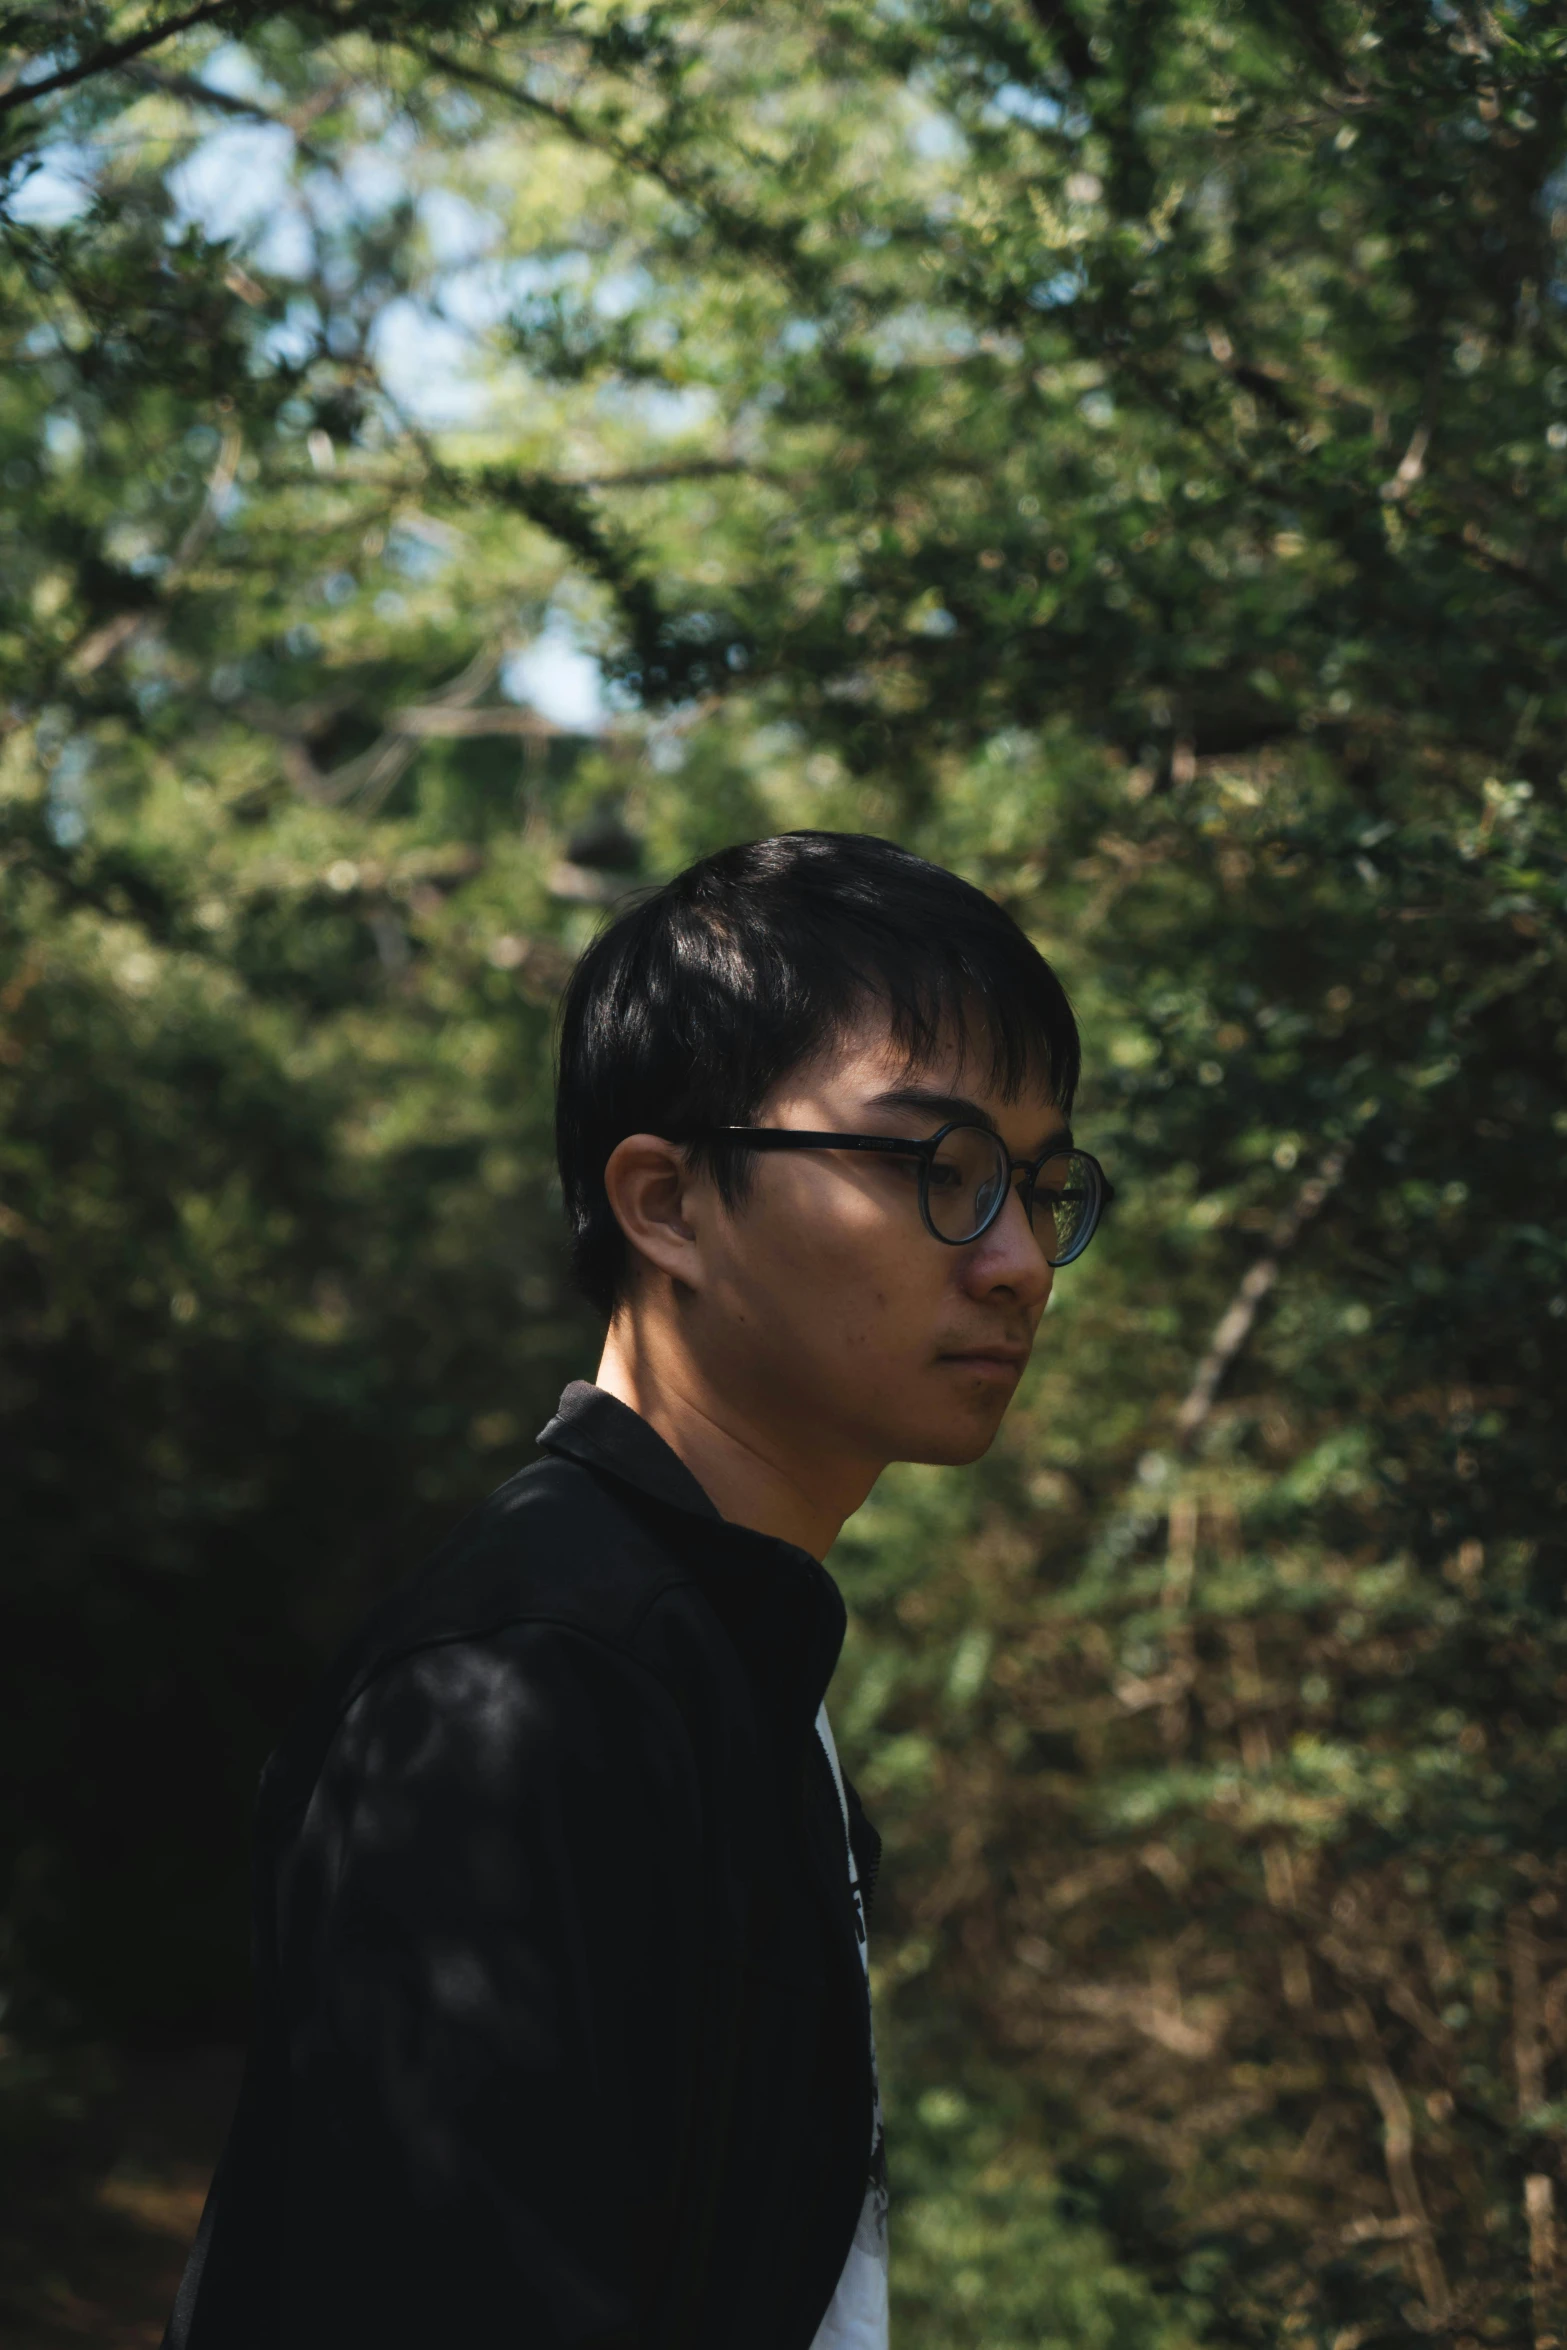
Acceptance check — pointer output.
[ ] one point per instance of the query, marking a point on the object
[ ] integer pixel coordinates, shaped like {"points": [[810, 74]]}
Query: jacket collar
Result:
{"points": [[783, 1610], [604, 1433]]}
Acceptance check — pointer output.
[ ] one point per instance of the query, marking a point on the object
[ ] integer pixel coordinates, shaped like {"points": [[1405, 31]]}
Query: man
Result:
{"points": [[563, 2027]]}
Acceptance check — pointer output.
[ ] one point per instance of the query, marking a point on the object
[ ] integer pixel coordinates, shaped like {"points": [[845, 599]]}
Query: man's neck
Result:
{"points": [[746, 1472]]}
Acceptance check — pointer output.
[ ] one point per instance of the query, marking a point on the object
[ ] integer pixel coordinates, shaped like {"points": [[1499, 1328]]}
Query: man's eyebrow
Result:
{"points": [[948, 1108], [942, 1106]]}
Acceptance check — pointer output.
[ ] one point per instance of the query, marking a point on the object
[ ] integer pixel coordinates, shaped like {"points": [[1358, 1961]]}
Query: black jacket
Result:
{"points": [[561, 2027]]}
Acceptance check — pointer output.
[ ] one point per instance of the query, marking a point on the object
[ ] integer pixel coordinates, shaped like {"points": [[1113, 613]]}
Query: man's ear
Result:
{"points": [[647, 1182]]}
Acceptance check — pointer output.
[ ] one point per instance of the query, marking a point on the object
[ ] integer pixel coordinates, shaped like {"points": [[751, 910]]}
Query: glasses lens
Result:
{"points": [[966, 1182], [1067, 1198]]}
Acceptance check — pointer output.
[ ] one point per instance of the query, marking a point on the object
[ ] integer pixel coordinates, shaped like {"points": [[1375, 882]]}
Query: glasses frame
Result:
{"points": [[795, 1138]]}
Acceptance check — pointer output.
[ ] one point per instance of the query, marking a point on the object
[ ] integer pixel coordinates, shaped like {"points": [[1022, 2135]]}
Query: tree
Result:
{"points": [[1120, 450]]}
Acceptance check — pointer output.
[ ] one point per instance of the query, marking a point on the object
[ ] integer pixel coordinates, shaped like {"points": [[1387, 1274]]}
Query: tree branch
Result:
{"points": [[198, 93], [638, 477], [376, 772], [117, 53], [1539, 2188], [1234, 1325], [1398, 2147], [114, 635], [1066, 36], [745, 234]]}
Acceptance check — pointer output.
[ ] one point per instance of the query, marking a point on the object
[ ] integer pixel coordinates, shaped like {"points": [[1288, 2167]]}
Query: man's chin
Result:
{"points": [[964, 1438]]}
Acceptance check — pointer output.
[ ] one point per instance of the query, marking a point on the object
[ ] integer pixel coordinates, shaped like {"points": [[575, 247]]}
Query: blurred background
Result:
{"points": [[460, 462]]}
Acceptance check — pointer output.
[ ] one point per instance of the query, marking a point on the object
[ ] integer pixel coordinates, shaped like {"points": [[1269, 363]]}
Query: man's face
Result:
{"points": [[828, 1313]]}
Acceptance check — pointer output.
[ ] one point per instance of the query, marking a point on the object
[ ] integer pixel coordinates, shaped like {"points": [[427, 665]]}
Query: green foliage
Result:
{"points": [[987, 2254], [1120, 450]]}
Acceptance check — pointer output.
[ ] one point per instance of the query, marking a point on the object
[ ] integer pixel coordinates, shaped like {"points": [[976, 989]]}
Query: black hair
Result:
{"points": [[698, 998]]}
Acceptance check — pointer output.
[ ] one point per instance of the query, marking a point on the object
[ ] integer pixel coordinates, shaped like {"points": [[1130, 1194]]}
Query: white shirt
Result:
{"points": [[857, 2314]]}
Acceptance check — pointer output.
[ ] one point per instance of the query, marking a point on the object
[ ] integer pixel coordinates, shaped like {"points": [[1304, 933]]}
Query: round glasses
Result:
{"points": [[965, 1173]]}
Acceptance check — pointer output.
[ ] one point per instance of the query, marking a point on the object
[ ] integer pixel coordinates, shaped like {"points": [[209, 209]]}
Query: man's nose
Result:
{"points": [[1009, 1256]]}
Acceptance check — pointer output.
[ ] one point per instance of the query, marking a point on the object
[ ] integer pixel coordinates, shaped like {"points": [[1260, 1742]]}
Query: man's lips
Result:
{"points": [[988, 1358]]}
